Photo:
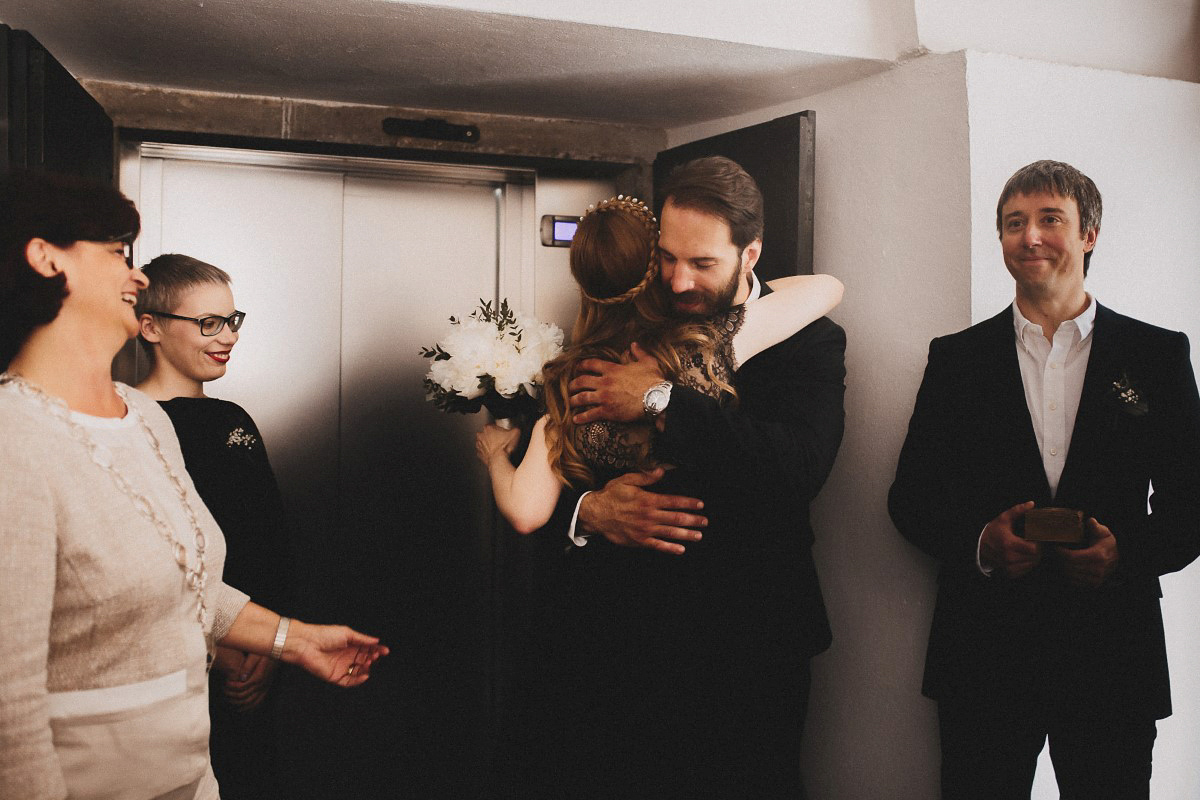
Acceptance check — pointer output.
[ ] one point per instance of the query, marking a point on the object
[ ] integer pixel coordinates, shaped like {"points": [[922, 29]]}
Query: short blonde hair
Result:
{"points": [[171, 276]]}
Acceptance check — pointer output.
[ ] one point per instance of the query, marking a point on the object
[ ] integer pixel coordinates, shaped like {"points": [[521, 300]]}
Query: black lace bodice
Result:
{"points": [[613, 448]]}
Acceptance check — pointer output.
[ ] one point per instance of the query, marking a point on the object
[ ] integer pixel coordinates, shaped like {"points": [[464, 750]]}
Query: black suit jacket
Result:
{"points": [[757, 464], [971, 453]]}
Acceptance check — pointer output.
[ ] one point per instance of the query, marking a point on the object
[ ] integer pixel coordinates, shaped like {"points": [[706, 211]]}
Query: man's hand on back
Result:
{"points": [[610, 391], [628, 515]]}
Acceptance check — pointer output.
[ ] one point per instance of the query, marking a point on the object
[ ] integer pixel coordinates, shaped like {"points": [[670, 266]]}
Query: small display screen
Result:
{"points": [[564, 231], [557, 230]]}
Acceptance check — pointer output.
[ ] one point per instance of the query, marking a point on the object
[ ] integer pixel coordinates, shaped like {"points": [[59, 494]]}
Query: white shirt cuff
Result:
{"points": [[582, 539], [987, 572]]}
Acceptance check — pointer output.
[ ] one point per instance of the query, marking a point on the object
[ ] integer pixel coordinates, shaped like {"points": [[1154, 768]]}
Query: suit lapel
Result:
{"points": [[1012, 409], [1087, 435]]}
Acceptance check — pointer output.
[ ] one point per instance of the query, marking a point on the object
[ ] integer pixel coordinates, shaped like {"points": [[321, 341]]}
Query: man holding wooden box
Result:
{"points": [[1036, 439]]}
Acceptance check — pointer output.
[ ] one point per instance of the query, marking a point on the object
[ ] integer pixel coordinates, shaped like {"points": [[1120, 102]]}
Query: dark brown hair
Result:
{"points": [[719, 186], [61, 209], [1058, 178]]}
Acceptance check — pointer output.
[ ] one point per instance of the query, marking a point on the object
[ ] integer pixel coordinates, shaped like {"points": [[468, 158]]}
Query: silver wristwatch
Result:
{"points": [[655, 400]]}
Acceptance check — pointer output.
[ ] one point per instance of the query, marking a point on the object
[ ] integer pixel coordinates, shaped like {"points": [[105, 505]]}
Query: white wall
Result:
{"points": [[1147, 38], [1156, 38], [892, 221], [1137, 138], [863, 28]]}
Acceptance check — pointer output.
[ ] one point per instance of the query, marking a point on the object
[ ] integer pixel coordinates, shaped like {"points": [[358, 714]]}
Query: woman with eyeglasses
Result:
{"points": [[111, 590], [188, 326]]}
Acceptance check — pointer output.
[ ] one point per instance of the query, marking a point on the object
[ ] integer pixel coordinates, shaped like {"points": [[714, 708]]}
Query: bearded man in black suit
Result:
{"points": [[1055, 402], [714, 617]]}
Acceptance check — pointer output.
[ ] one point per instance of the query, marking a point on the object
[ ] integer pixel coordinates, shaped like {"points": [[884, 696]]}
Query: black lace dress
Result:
{"points": [[615, 448]]}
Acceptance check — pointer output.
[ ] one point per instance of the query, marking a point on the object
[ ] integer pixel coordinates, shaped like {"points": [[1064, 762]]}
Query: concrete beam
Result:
{"points": [[186, 111]]}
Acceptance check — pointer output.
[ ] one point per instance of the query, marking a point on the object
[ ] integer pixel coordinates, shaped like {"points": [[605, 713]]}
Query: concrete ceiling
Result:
{"points": [[401, 54]]}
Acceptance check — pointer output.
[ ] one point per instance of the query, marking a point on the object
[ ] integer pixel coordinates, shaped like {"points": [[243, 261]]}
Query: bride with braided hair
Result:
{"points": [[624, 311]]}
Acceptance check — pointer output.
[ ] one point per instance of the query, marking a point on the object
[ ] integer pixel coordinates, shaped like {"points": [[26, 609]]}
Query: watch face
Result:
{"points": [[654, 402]]}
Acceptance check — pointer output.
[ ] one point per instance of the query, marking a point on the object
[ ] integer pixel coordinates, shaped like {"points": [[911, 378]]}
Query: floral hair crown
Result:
{"points": [[629, 205]]}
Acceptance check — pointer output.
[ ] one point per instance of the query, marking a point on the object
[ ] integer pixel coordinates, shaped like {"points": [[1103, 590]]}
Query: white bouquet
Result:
{"points": [[492, 358]]}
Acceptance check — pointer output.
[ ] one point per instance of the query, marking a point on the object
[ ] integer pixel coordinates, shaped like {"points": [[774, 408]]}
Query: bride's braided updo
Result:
{"points": [[614, 253]]}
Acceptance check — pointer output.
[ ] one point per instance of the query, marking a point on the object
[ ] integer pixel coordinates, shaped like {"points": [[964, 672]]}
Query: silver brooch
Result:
{"points": [[239, 436]]}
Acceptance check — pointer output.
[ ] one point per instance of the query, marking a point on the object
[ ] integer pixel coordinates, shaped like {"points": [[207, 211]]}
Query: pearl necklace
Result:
{"points": [[196, 577]]}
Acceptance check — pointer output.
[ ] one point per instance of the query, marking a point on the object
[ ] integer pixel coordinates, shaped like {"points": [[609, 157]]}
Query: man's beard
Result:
{"points": [[710, 302]]}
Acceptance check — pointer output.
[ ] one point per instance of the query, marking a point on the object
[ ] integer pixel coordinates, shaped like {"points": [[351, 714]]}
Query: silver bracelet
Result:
{"points": [[280, 638]]}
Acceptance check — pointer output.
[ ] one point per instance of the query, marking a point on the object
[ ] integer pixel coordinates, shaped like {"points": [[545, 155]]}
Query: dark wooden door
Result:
{"points": [[49, 122], [779, 155]]}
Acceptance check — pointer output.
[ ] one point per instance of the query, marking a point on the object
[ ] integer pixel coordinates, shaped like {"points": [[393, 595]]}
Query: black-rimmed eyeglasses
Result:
{"points": [[210, 325]]}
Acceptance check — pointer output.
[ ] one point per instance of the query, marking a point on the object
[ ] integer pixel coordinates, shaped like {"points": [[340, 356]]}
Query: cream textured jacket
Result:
{"points": [[102, 686]]}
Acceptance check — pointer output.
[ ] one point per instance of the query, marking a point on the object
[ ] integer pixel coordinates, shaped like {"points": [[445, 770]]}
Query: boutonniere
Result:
{"points": [[1128, 397]]}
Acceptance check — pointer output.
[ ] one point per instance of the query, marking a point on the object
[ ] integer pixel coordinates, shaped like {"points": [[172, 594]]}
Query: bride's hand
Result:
{"points": [[494, 440]]}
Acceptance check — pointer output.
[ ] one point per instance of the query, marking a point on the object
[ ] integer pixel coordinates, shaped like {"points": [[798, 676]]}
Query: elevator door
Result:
{"points": [[344, 273]]}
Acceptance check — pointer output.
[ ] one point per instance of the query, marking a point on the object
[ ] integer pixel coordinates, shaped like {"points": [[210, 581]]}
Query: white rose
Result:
{"points": [[545, 339], [507, 368], [472, 348], [453, 377]]}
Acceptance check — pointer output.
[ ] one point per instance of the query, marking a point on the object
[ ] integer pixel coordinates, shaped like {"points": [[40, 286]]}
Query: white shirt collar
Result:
{"points": [[1082, 323], [755, 288]]}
